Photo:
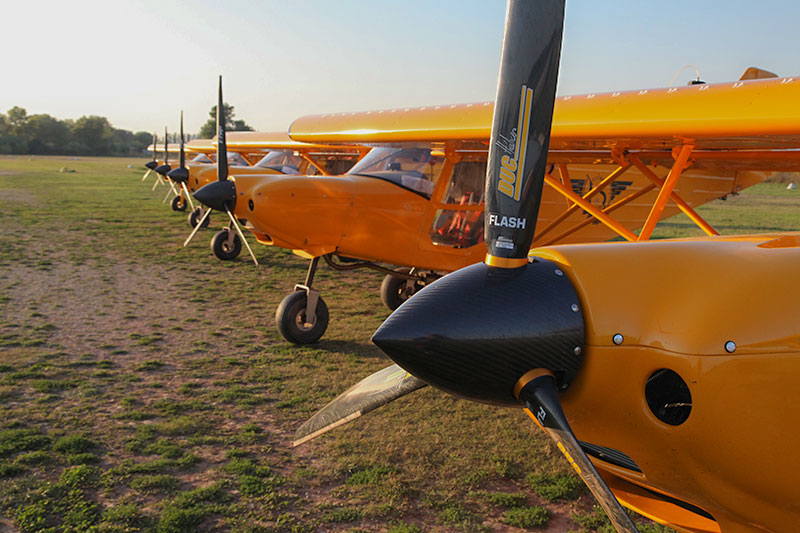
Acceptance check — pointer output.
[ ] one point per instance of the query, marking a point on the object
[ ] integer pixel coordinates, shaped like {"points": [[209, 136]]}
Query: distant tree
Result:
{"points": [[21, 133], [121, 141], [141, 140], [17, 119], [94, 133], [209, 129], [46, 134]]}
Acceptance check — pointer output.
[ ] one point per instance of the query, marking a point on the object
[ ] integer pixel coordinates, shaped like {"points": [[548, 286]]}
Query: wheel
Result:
{"points": [[222, 249], [178, 204], [395, 291], [291, 319], [196, 215]]}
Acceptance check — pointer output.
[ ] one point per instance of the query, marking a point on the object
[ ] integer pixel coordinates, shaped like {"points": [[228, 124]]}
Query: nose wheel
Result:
{"points": [[396, 290], [196, 215], [226, 244], [302, 316], [178, 204]]}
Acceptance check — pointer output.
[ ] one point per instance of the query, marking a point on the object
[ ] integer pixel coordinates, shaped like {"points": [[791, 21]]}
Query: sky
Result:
{"points": [[139, 62]]}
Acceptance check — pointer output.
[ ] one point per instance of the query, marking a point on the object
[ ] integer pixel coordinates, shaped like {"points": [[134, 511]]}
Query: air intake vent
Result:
{"points": [[610, 455]]}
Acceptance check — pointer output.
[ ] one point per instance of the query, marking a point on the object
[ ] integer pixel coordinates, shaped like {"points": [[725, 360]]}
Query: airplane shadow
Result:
{"points": [[360, 349]]}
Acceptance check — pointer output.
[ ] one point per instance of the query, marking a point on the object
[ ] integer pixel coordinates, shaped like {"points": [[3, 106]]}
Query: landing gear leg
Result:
{"points": [[302, 317]]}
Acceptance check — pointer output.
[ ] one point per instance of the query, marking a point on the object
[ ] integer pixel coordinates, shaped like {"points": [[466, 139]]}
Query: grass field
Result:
{"points": [[143, 386]]}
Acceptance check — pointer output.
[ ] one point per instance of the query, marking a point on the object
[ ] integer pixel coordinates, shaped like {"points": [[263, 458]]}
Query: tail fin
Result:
{"points": [[755, 73]]}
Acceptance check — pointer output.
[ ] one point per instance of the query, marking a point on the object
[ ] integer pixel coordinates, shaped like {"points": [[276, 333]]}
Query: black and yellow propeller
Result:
{"points": [[161, 170], [164, 168], [180, 175], [150, 165], [507, 331], [220, 195]]}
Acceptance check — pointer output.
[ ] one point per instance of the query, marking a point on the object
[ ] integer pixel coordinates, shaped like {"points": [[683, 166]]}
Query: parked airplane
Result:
{"points": [[416, 200], [676, 361]]}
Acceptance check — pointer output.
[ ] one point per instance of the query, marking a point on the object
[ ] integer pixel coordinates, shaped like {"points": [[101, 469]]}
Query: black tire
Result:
{"points": [[178, 204], [395, 291], [196, 215], [290, 319], [221, 248]]}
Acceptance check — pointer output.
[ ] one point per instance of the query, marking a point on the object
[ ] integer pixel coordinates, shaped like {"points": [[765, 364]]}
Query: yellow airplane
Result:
{"points": [[282, 155], [267, 153], [162, 168], [673, 391], [417, 201]]}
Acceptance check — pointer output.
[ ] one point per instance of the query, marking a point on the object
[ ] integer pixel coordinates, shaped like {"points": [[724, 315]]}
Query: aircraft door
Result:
{"points": [[459, 220]]}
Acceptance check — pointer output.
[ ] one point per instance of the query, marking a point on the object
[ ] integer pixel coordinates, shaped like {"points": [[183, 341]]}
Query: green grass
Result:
{"points": [[527, 517], [556, 487], [143, 384]]}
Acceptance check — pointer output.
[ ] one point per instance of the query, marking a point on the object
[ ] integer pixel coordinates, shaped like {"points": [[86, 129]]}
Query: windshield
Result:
{"points": [[281, 160], [236, 159], [201, 158], [414, 169]]}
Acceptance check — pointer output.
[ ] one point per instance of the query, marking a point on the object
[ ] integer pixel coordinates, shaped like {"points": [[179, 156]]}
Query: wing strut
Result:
{"points": [[665, 192], [682, 205]]}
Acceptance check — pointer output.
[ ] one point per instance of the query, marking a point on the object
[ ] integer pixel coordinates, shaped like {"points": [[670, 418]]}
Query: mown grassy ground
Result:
{"points": [[143, 386]]}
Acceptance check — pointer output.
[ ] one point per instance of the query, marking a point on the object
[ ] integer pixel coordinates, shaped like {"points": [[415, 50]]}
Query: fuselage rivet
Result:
{"points": [[618, 339], [577, 350], [559, 273], [730, 346], [574, 308]]}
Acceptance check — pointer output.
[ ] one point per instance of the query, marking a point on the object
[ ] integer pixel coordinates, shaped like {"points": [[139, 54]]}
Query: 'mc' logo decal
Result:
{"points": [[510, 182]]}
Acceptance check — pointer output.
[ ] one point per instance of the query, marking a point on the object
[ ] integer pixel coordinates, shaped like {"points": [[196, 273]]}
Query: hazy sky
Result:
{"points": [[139, 62]]}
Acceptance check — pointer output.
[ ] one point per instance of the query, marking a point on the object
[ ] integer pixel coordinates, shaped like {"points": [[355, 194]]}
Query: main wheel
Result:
{"points": [[178, 204], [196, 215], [222, 248], [395, 291], [291, 319]]}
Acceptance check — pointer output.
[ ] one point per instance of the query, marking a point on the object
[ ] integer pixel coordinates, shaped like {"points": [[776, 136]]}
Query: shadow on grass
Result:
{"points": [[361, 349]]}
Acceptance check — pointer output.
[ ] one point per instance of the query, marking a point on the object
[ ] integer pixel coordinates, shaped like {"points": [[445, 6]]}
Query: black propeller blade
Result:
{"points": [[163, 169], [220, 194], [505, 331], [183, 156], [153, 164], [180, 174]]}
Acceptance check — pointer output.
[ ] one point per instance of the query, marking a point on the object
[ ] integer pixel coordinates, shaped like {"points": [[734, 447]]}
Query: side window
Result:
{"points": [[459, 224], [467, 183]]}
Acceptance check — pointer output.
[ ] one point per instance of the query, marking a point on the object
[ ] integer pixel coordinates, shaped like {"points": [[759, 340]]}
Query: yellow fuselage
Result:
{"points": [[676, 305], [203, 173], [376, 220]]}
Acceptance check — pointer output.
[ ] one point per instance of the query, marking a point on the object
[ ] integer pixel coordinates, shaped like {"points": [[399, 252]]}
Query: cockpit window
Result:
{"points": [[466, 183], [201, 158], [414, 169], [281, 160], [236, 159], [460, 223]]}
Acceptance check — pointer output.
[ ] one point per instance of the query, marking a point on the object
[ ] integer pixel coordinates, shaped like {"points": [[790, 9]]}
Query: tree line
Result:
{"points": [[43, 134]]}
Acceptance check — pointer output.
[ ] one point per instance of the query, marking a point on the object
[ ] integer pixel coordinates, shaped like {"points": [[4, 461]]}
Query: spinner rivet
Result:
{"points": [[559, 273], [618, 339], [574, 308], [577, 350], [730, 346]]}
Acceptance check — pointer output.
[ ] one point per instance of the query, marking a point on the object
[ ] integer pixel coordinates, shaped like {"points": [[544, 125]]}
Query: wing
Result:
{"points": [[613, 156], [744, 115], [200, 146]]}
